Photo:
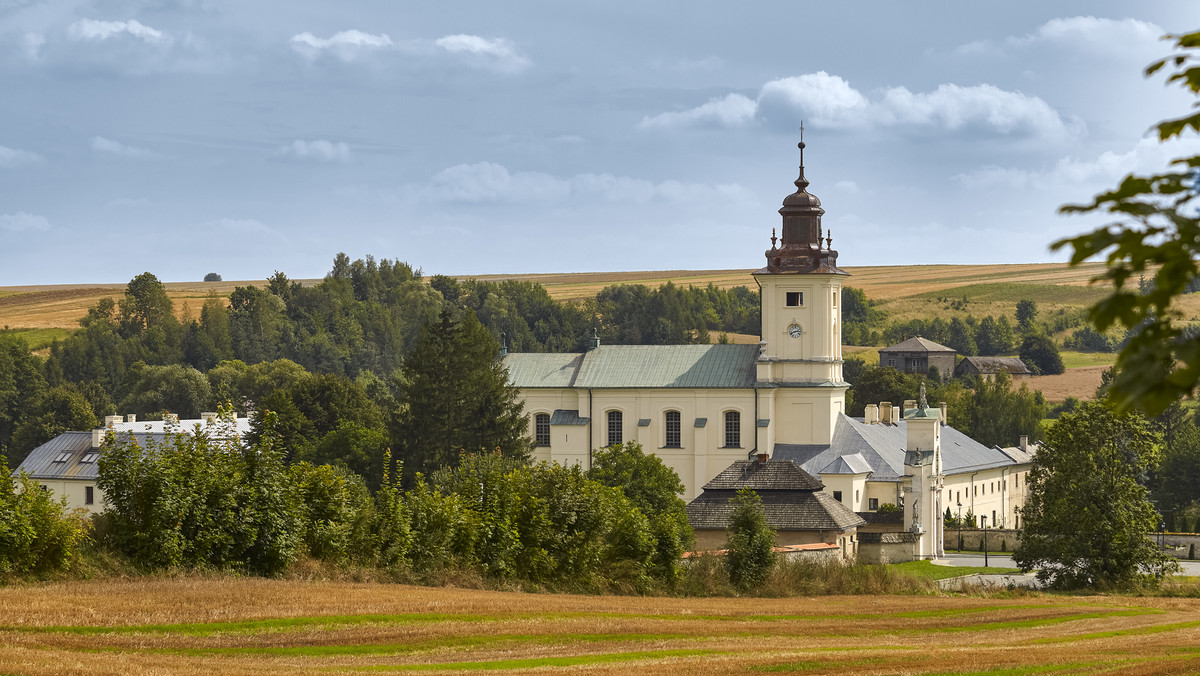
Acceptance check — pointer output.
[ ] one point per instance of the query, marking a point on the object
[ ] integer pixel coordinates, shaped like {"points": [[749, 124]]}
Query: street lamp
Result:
{"points": [[960, 547], [985, 547]]}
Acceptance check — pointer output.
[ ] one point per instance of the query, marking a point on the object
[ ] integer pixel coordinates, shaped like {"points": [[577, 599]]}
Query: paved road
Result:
{"points": [[1005, 561]]}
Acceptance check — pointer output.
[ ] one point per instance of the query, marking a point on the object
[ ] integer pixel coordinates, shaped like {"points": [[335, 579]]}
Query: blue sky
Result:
{"points": [[189, 136]]}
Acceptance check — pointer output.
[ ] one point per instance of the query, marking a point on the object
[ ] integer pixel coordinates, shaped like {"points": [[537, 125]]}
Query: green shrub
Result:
{"points": [[38, 535], [750, 542]]}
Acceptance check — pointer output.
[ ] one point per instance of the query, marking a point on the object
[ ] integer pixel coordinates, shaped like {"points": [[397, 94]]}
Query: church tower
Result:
{"points": [[799, 367]]}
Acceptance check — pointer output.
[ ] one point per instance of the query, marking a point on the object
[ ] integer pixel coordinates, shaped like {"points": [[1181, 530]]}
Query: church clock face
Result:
{"points": [[795, 331]]}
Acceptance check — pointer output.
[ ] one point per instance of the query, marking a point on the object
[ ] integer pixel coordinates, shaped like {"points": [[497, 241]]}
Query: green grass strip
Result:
{"points": [[1136, 631], [532, 663], [418, 646], [825, 666], [1037, 622], [209, 628], [932, 571]]}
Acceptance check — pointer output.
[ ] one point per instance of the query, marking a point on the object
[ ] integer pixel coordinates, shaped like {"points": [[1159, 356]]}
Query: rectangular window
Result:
{"points": [[837, 495], [89, 495], [835, 298], [541, 429], [1016, 481], [733, 429], [63, 457], [89, 457], [614, 428], [674, 440], [994, 518], [959, 497], [873, 504], [795, 298]]}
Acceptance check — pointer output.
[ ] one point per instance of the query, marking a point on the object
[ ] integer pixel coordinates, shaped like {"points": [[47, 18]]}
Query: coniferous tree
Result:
{"points": [[456, 396]]}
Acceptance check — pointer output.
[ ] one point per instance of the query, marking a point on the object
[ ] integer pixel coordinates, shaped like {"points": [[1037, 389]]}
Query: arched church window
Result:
{"points": [[615, 428], [541, 429], [674, 431], [733, 429]]}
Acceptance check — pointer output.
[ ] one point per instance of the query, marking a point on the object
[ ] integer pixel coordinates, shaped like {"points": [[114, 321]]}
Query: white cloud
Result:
{"points": [[91, 30], [106, 145], [15, 157], [849, 187], [318, 150], [488, 182], [732, 111], [495, 53], [1149, 155], [1093, 36], [952, 107], [829, 101], [820, 98], [346, 45], [22, 221]]}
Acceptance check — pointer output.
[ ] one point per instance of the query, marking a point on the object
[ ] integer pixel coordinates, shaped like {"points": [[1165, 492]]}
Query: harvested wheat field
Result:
{"points": [[255, 626]]}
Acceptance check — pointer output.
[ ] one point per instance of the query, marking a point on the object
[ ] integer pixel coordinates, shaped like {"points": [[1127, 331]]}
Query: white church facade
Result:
{"points": [[701, 408]]}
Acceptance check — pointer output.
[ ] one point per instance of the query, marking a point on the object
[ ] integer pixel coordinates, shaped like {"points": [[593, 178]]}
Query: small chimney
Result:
{"points": [[209, 417], [171, 418], [885, 412], [909, 404], [131, 418], [110, 420], [98, 437], [871, 414], [594, 341], [942, 405], [1024, 442], [762, 458], [895, 416]]}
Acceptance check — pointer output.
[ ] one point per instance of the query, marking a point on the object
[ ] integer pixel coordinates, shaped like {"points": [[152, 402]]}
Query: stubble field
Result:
{"points": [[254, 626]]}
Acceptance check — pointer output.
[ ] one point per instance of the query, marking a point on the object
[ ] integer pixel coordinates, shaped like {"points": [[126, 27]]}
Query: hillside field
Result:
{"points": [[261, 627], [903, 290], [45, 313]]}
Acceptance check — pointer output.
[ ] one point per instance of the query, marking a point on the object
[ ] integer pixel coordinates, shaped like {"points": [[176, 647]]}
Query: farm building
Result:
{"points": [[67, 464], [793, 502], [988, 367], [918, 355], [706, 410]]}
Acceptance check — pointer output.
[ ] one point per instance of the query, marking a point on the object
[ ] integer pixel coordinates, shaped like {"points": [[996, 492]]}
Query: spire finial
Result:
{"points": [[921, 401], [773, 239], [801, 144]]}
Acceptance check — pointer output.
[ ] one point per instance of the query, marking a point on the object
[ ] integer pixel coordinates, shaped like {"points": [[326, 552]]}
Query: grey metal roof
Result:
{"points": [[565, 417], [784, 509], [917, 344], [542, 369], [773, 475], [1011, 365], [853, 463], [634, 366], [41, 463], [882, 447]]}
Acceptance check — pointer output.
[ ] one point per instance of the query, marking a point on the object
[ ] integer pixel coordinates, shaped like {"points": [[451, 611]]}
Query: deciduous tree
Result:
{"points": [[1087, 521], [1156, 232]]}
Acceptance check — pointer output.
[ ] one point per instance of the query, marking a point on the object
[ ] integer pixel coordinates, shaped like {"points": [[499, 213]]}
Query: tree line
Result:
{"points": [[355, 328]]}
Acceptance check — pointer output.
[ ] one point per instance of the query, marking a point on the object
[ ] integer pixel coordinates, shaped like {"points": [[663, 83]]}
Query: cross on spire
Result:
{"points": [[801, 144]]}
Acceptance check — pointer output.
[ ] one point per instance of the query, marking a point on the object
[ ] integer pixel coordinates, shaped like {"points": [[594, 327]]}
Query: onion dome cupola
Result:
{"points": [[802, 248]]}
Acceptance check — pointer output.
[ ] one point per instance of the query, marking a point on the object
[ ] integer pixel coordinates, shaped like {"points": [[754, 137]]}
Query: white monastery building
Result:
{"points": [[702, 408]]}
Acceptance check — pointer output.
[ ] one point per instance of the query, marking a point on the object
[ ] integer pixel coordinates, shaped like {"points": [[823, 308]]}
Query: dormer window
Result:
{"points": [[795, 298]]}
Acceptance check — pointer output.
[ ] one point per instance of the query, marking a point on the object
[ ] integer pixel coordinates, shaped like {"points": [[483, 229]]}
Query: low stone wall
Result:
{"points": [[998, 539], [885, 547]]}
